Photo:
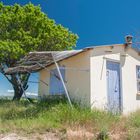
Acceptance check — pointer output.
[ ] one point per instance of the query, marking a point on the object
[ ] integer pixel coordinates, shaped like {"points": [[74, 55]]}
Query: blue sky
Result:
{"points": [[97, 22], [5, 86]]}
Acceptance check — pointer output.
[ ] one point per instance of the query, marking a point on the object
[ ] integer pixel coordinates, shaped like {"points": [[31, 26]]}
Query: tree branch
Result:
{"points": [[3, 72]]}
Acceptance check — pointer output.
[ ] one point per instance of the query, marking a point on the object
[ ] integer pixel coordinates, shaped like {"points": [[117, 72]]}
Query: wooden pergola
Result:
{"points": [[36, 61]]}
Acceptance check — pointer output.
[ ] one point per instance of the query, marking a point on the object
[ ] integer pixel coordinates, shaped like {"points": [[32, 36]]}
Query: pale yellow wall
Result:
{"points": [[78, 82]]}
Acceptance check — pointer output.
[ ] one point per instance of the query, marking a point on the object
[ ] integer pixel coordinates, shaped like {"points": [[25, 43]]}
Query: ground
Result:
{"points": [[55, 119]]}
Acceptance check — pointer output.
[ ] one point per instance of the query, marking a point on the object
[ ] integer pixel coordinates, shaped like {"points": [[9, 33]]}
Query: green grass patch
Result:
{"points": [[56, 114], [49, 114]]}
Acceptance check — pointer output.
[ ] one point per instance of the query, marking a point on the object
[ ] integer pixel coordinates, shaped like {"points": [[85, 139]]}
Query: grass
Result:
{"points": [[56, 115]]}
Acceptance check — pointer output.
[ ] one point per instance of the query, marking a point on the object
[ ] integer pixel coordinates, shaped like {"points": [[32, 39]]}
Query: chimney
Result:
{"points": [[128, 40]]}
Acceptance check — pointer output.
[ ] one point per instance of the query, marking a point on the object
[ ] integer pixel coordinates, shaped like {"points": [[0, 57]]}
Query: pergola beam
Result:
{"points": [[62, 80]]}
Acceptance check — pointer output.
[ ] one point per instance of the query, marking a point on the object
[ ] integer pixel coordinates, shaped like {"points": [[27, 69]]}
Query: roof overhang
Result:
{"points": [[36, 61]]}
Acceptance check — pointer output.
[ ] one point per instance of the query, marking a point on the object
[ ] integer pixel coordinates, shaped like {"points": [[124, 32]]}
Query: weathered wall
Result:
{"points": [[78, 81], [90, 87], [131, 99], [128, 60], [98, 73]]}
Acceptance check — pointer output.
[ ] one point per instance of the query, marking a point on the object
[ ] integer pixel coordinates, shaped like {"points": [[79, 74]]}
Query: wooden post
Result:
{"points": [[22, 88], [62, 80]]}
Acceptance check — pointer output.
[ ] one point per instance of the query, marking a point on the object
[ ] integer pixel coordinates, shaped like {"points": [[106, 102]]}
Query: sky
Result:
{"points": [[97, 22]]}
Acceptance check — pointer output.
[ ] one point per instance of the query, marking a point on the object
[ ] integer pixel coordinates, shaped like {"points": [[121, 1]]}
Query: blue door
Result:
{"points": [[56, 86], [113, 86]]}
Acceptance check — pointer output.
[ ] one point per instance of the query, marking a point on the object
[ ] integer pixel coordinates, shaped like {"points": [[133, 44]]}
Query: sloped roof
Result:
{"points": [[35, 61]]}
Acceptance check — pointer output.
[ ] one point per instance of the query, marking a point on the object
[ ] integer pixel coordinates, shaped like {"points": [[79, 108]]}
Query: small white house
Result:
{"points": [[104, 77]]}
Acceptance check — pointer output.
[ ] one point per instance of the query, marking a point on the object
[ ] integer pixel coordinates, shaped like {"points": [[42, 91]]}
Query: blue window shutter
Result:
{"points": [[56, 86]]}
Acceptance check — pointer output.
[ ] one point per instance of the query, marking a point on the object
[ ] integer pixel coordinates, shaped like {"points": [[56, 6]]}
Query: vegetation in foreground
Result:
{"points": [[56, 116]]}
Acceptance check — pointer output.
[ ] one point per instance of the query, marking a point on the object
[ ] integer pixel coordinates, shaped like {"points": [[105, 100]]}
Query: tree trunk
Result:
{"points": [[18, 91], [19, 88]]}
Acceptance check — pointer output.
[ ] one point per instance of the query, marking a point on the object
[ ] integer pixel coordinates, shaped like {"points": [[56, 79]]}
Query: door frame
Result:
{"points": [[120, 82]]}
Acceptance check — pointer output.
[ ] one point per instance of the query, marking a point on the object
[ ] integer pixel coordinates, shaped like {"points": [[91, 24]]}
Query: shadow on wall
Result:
{"points": [[138, 97]]}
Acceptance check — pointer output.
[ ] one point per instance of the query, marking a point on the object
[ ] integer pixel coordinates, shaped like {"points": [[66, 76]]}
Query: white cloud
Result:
{"points": [[10, 90]]}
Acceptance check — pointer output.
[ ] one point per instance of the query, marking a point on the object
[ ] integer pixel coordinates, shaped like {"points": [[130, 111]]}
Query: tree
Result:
{"points": [[24, 29]]}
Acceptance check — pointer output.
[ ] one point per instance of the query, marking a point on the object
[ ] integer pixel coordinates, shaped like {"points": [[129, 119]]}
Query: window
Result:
{"points": [[138, 77], [56, 86]]}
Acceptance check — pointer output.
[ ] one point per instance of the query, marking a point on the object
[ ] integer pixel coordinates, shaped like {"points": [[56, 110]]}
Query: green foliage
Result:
{"points": [[103, 135], [133, 126], [26, 28], [56, 115], [135, 119]]}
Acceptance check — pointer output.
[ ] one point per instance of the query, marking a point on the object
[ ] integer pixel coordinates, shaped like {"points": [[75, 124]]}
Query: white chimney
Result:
{"points": [[128, 40]]}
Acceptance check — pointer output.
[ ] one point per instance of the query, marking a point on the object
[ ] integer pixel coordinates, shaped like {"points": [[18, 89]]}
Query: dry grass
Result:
{"points": [[56, 118]]}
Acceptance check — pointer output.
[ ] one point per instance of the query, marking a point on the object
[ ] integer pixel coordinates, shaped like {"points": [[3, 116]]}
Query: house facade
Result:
{"points": [[102, 77]]}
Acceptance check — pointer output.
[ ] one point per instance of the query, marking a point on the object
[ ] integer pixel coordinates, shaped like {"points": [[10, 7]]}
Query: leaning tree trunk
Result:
{"points": [[19, 86], [18, 91]]}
